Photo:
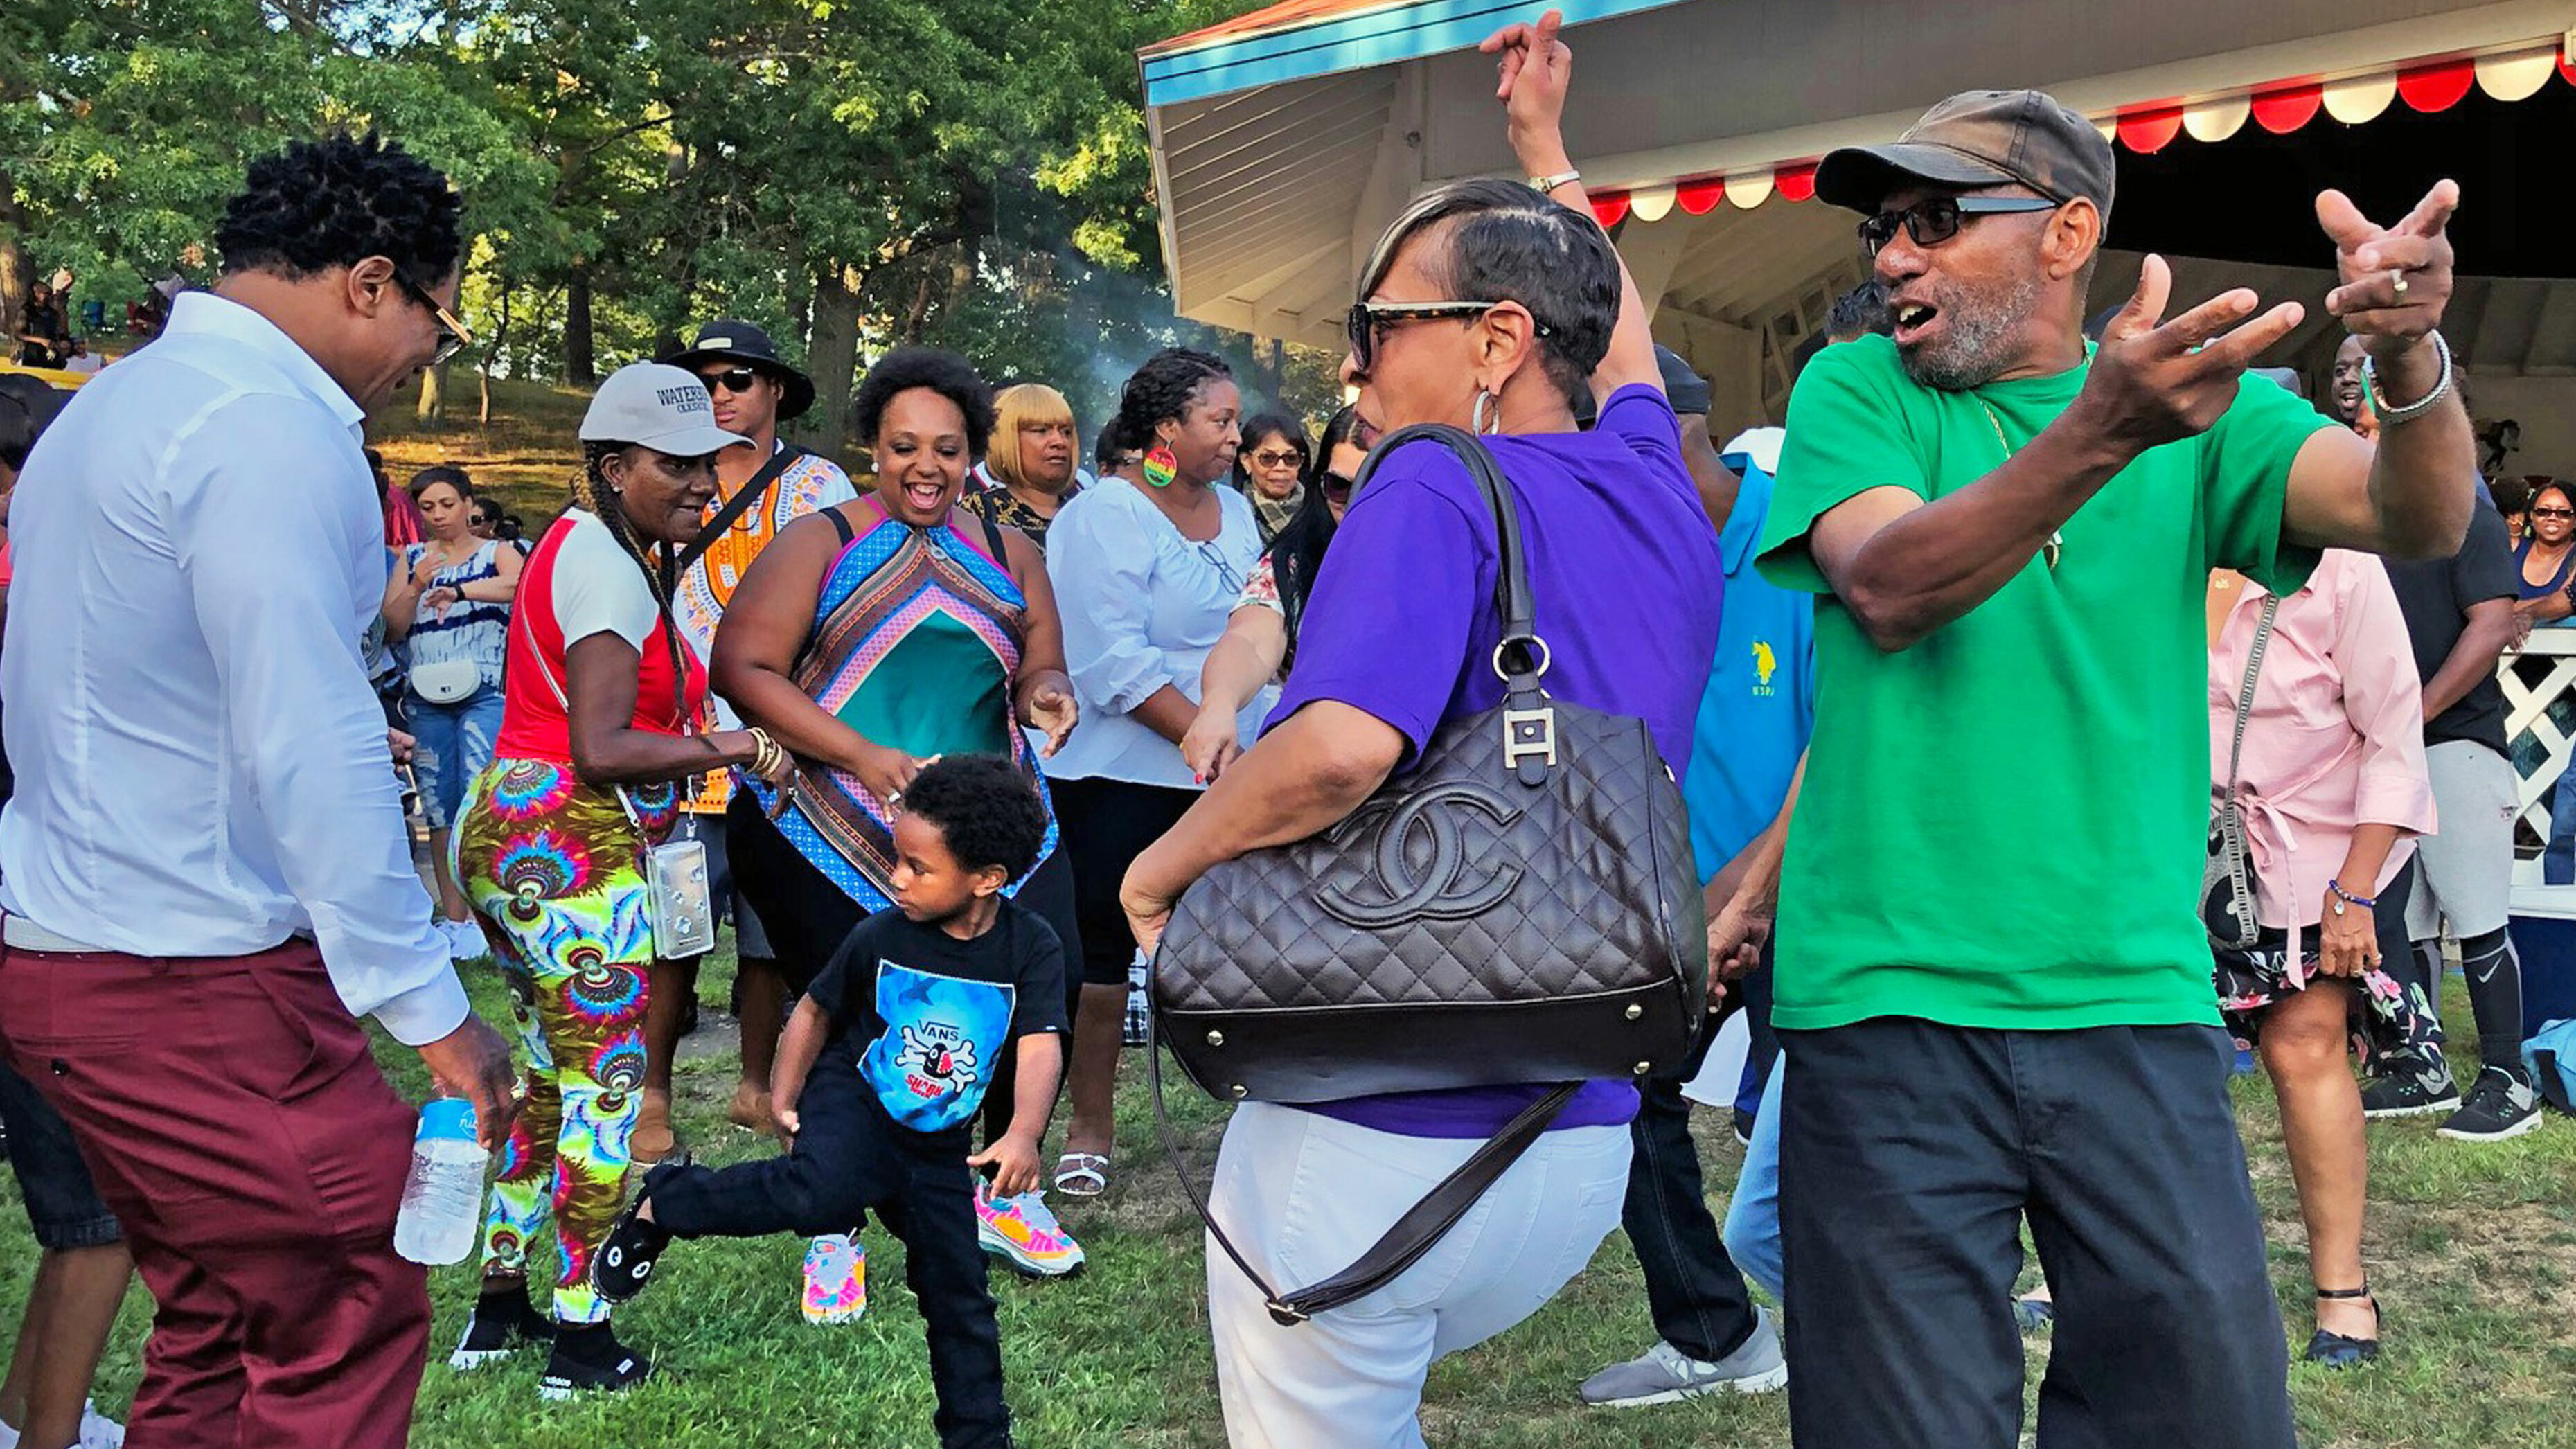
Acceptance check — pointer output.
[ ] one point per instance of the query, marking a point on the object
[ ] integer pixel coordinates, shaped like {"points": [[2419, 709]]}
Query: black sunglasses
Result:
{"points": [[735, 380], [1337, 489], [453, 335], [1368, 319], [1935, 220]]}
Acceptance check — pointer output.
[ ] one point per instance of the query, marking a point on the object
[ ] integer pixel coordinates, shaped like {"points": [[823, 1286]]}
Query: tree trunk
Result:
{"points": [[17, 269], [581, 355], [433, 395], [833, 359]]}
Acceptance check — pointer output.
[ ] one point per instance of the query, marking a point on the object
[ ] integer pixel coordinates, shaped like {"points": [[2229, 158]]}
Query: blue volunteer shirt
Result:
{"points": [[1760, 701]]}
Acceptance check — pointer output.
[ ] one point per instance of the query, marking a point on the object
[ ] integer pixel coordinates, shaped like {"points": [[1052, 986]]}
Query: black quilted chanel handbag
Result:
{"points": [[1520, 907]]}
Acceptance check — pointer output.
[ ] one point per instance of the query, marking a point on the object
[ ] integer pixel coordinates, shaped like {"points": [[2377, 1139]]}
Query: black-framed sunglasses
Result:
{"points": [[2553, 513], [1369, 319], [453, 335], [1937, 219], [1337, 489], [735, 380]]}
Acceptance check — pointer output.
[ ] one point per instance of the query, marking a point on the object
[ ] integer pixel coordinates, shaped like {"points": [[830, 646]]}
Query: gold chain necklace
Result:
{"points": [[2056, 544]]}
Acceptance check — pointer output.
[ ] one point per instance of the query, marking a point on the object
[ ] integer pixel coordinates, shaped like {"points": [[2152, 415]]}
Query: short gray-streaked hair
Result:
{"points": [[1502, 242]]}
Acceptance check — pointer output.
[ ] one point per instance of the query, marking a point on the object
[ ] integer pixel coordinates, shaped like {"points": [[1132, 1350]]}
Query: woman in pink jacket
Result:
{"points": [[2332, 789]]}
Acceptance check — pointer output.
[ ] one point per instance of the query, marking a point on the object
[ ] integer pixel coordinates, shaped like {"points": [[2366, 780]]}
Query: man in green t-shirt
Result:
{"points": [[1991, 973]]}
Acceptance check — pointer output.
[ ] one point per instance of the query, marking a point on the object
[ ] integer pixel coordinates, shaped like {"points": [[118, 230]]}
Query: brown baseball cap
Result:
{"points": [[1974, 139]]}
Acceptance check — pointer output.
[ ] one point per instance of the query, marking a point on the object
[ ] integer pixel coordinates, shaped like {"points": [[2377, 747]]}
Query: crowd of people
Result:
{"points": [[949, 732]]}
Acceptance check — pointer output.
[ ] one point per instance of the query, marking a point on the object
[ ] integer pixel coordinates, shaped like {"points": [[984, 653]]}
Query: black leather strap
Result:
{"points": [[1415, 1233], [1521, 656], [751, 492]]}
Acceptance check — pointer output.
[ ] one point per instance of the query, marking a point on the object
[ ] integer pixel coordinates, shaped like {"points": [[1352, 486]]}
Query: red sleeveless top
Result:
{"points": [[533, 721]]}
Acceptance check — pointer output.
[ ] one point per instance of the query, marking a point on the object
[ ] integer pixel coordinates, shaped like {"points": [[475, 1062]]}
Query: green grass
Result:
{"points": [[2473, 1250]]}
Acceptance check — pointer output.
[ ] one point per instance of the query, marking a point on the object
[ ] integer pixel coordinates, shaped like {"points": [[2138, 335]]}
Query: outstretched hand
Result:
{"points": [[2155, 381], [1534, 68], [2396, 280]]}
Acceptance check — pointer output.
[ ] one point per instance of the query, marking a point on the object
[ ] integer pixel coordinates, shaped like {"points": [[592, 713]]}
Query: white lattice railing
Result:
{"points": [[2543, 673]]}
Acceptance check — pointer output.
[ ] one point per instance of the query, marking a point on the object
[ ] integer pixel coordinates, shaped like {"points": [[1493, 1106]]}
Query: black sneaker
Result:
{"points": [[591, 1360], [2502, 1104], [2410, 1089], [625, 1260], [503, 1322]]}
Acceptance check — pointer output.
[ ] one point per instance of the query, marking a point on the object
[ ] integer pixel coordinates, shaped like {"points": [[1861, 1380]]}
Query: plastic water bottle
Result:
{"points": [[442, 1201]]}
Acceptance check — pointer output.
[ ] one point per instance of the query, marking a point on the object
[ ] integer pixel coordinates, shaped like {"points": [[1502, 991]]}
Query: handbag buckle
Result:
{"points": [[1283, 1315], [1529, 734]]}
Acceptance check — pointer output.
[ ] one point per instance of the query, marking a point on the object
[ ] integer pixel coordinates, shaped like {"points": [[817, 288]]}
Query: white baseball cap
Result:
{"points": [[657, 406]]}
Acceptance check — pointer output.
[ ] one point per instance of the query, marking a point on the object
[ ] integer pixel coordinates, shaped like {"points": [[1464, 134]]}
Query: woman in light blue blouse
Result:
{"points": [[1145, 578], [447, 607]]}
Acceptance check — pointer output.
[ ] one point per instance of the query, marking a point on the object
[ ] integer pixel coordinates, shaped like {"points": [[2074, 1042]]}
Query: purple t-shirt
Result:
{"points": [[1627, 579]]}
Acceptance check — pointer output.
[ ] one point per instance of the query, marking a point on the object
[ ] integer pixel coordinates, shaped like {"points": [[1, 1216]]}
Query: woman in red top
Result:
{"points": [[593, 756]]}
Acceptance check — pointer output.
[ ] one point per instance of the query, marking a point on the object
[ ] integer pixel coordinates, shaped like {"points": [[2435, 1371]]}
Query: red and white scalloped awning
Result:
{"points": [[2427, 83]]}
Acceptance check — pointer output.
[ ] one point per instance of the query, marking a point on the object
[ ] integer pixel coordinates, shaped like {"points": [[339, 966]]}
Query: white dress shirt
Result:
{"points": [[201, 764]]}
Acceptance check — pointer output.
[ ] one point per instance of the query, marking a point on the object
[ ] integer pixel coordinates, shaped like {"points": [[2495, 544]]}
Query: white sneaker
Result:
{"points": [[98, 1431], [465, 940]]}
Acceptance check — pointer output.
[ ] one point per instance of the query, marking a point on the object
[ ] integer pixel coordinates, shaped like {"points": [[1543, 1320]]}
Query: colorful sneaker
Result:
{"points": [[836, 1280], [2407, 1088], [1023, 1232], [2502, 1104]]}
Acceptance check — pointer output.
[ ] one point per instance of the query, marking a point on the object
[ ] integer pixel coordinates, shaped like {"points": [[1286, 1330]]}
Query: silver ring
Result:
{"points": [[2397, 280]]}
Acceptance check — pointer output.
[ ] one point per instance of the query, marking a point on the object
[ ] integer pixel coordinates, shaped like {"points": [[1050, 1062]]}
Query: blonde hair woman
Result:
{"points": [[1031, 462]]}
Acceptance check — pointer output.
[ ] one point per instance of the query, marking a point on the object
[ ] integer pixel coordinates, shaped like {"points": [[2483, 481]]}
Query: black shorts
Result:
{"points": [[62, 1202], [1106, 824]]}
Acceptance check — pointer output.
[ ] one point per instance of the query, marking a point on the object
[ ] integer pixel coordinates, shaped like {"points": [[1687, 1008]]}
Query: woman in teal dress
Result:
{"points": [[868, 639]]}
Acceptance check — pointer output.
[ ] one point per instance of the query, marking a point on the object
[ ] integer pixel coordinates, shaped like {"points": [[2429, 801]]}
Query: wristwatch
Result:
{"points": [[1545, 184]]}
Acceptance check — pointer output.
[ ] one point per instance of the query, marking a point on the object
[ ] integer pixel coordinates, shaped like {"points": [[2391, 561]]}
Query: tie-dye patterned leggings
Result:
{"points": [[551, 867]]}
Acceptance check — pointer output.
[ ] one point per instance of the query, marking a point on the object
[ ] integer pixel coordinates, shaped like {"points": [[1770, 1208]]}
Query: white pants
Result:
{"points": [[1303, 1195], [2467, 876]]}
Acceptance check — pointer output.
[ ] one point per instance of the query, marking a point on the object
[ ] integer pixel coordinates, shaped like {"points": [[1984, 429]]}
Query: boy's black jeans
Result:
{"points": [[851, 1159]]}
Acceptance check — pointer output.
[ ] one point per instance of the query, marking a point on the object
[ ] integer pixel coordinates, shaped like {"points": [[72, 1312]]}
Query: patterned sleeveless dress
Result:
{"points": [[916, 645]]}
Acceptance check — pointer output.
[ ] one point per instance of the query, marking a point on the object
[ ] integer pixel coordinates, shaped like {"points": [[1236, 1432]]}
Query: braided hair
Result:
{"points": [[660, 566], [1163, 388]]}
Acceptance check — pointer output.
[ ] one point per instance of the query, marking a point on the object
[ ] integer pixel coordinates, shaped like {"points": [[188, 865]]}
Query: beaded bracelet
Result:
{"points": [[2367, 903]]}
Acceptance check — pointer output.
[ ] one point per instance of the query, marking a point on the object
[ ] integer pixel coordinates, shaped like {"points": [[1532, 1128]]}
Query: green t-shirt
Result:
{"points": [[2003, 825]]}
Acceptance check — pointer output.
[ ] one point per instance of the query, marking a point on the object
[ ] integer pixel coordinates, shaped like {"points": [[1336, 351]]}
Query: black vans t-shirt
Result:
{"points": [[925, 1016], [2435, 596]]}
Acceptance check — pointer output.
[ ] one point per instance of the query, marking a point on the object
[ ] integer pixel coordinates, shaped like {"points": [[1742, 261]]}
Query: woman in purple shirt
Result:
{"points": [[1485, 306]]}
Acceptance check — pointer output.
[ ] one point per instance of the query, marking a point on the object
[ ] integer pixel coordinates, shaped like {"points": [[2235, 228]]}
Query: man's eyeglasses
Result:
{"points": [[1277, 458], [453, 336], [735, 380], [1369, 319], [1937, 219]]}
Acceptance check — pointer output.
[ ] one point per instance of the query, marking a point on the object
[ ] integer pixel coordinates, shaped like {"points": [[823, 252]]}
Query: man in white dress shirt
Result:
{"points": [[205, 870]]}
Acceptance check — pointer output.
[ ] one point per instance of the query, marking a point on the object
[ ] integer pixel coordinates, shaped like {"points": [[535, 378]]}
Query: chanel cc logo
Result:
{"points": [[1423, 865]]}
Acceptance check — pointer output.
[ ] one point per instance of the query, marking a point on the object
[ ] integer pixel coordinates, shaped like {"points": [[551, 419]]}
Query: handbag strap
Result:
{"points": [[2245, 697], [752, 491], [1403, 1244], [1521, 657]]}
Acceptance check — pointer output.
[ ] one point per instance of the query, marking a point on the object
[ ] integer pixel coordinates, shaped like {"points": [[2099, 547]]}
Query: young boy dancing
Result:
{"points": [[879, 1076]]}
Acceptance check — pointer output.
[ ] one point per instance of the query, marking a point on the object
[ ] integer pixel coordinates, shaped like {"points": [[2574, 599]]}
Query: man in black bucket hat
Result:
{"points": [[754, 390], [1990, 973]]}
